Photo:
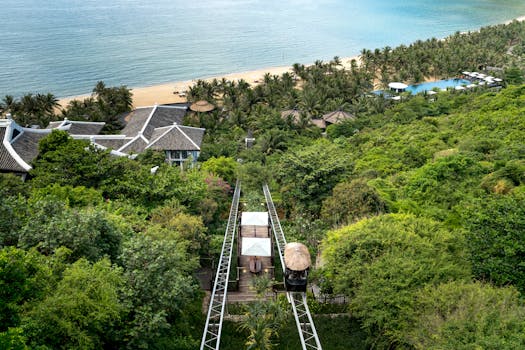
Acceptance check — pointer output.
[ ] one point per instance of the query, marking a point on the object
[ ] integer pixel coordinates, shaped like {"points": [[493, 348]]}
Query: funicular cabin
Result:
{"points": [[297, 260], [255, 253]]}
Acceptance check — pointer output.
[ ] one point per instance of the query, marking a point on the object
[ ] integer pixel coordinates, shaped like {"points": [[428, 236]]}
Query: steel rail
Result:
{"points": [[211, 337], [303, 318]]}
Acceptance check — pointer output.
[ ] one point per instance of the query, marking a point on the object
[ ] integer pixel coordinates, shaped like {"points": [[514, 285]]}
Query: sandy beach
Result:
{"points": [[168, 92]]}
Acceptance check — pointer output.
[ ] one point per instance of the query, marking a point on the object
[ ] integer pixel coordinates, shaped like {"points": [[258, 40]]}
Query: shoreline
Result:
{"points": [[165, 93]]}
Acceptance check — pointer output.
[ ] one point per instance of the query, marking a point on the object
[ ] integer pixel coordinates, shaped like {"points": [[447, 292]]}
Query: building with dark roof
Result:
{"points": [[19, 146], [158, 128]]}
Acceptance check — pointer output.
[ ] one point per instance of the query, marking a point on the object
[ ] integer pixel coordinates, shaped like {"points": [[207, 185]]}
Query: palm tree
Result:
{"points": [[263, 318], [8, 104]]}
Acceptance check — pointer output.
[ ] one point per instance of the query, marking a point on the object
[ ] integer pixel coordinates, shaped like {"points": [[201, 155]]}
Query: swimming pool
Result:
{"points": [[440, 84]]}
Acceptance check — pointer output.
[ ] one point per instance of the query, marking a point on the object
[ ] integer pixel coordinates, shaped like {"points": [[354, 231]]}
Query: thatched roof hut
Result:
{"points": [[202, 106], [337, 117], [293, 114], [297, 256]]}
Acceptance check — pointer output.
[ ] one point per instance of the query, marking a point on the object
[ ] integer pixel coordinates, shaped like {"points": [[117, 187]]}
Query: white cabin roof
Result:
{"points": [[254, 218], [252, 246]]}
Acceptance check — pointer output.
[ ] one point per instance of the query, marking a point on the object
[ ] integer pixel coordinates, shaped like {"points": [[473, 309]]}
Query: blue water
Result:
{"points": [[66, 46], [441, 84]]}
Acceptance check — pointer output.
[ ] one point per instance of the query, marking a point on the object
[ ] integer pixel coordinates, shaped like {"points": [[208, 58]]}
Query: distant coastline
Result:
{"points": [[167, 92]]}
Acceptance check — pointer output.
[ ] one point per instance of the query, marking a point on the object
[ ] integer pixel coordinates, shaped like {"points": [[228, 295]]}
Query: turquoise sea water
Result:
{"points": [[66, 46]]}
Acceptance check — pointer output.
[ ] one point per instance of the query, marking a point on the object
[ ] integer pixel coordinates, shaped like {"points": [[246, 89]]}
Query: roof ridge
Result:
{"points": [[129, 143], [162, 135], [191, 127], [189, 138], [174, 107], [148, 120], [83, 122], [12, 151]]}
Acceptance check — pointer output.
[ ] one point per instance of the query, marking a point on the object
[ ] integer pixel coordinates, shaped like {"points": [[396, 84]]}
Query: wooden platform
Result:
{"points": [[246, 291]]}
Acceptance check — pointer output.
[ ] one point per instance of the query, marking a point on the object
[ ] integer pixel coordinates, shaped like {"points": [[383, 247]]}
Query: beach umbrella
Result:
{"points": [[498, 80], [466, 73], [459, 87], [202, 106], [470, 86], [431, 92], [337, 116]]}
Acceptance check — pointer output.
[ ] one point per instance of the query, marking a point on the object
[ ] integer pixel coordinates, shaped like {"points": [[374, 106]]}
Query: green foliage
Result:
{"points": [[308, 175], [31, 109], [382, 262], [106, 104], [184, 229], [160, 289], [71, 196], [495, 227], [13, 339], [23, 277], [223, 167], [13, 212], [263, 318], [81, 311], [351, 201], [253, 175], [461, 316], [514, 75], [12, 186], [65, 161], [503, 180], [87, 233], [439, 186]]}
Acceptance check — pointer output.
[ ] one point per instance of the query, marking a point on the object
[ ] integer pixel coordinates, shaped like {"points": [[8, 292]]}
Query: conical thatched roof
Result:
{"points": [[202, 106], [294, 114], [337, 117], [296, 256], [320, 123]]}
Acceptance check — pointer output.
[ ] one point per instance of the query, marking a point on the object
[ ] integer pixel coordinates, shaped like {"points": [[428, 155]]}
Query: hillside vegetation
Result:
{"points": [[415, 208]]}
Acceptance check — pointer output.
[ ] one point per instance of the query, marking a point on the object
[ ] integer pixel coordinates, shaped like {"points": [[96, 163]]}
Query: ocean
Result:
{"points": [[66, 46]]}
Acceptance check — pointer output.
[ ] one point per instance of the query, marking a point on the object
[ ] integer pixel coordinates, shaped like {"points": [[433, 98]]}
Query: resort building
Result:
{"points": [[157, 127]]}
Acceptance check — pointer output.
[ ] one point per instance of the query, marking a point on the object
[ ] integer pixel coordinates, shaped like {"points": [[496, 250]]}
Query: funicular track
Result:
{"points": [[211, 337], [212, 330], [303, 318]]}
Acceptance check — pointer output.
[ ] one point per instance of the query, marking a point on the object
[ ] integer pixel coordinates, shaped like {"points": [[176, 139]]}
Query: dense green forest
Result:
{"points": [[415, 209]]}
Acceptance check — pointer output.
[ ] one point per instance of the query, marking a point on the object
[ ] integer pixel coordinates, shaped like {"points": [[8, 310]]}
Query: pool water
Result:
{"points": [[440, 84]]}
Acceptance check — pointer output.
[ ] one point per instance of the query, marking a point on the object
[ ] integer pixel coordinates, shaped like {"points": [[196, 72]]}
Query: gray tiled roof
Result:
{"points": [[26, 145], [136, 146], [162, 116], [135, 121], [85, 128], [196, 134], [7, 162], [53, 125], [177, 138], [165, 116], [112, 143]]}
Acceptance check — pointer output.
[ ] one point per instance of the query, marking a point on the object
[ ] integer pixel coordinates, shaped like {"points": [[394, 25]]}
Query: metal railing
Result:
{"points": [[303, 318], [211, 337]]}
